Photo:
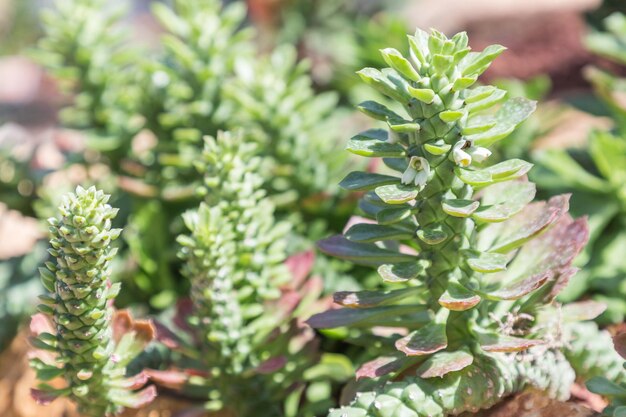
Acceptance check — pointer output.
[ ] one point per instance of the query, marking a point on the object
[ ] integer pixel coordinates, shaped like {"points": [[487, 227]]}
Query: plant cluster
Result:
{"points": [[469, 266], [220, 161]]}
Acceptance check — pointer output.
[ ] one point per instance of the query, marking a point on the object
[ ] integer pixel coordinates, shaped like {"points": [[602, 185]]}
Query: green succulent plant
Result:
{"points": [[595, 176], [246, 301], [468, 264], [75, 329]]}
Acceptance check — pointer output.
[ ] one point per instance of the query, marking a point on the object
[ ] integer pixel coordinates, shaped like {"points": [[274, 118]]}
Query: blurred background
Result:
{"points": [[548, 58]]}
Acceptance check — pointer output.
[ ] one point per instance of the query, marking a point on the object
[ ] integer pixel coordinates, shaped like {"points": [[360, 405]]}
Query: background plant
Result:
{"points": [[595, 176]]}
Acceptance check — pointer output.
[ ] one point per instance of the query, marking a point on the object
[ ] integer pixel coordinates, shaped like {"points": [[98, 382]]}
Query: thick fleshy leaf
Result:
{"points": [[393, 215], [402, 272], [363, 181], [43, 397], [400, 125], [509, 116], [531, 221], [366, 232], [487, 262], [518, 289], [475, 63], [458, 298], [135, 399], [460, 208], [602, 386], [385, 315], [429, 339], [361, 253], [366, 299], [425, 341], [504, 171], [549, 255], [442, 363], [381, 366], [485, 101], [381, 82], [373, 143], [433, 234], [492, 342], [502, 201], [376, 110], [396, 193]]}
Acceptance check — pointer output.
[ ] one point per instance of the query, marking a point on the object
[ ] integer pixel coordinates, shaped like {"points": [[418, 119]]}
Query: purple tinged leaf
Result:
{"points": [[519, 288], [491, 342], [458, 298], [135, 399], [385, 315], [619, 342], [42, 397], [271, 365], [530, 222], [300, 266], [171, 378], [380, 367], [442, 363]]}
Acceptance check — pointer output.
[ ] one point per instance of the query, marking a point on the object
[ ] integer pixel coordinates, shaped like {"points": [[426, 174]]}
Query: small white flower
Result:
{"points": [[478, 153], [417, 172], [459, 155]]}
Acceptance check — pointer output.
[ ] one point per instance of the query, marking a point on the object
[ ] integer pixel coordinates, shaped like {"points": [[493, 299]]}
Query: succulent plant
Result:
{"points": [[299, 158], [595, 176], [246, 349], [81, 340], [467, 263]]}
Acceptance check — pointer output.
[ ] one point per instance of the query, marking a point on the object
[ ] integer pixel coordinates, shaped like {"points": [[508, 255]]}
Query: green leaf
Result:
{"points": [[437, 149], [381, 82], [460, 208], [602, 386], [451, 115], [367, 299], [516, 289], [395, 60], [478, 124], [433, 234], [509, 116], [487, 262], [425, 95], [373, 143], [363, 181], [426, 340], [402, 272], [396, 193], [442, 363], [502, 201], [495, 97], [376, 110], [368, 233], [475, 64], [393, 215], [361, 253], [504, 171], [400, 125], [462, 83]]}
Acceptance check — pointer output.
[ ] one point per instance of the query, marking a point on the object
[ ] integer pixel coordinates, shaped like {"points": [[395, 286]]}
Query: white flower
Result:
{"points": [[417, 172], [461, 157], [478, 153]]}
